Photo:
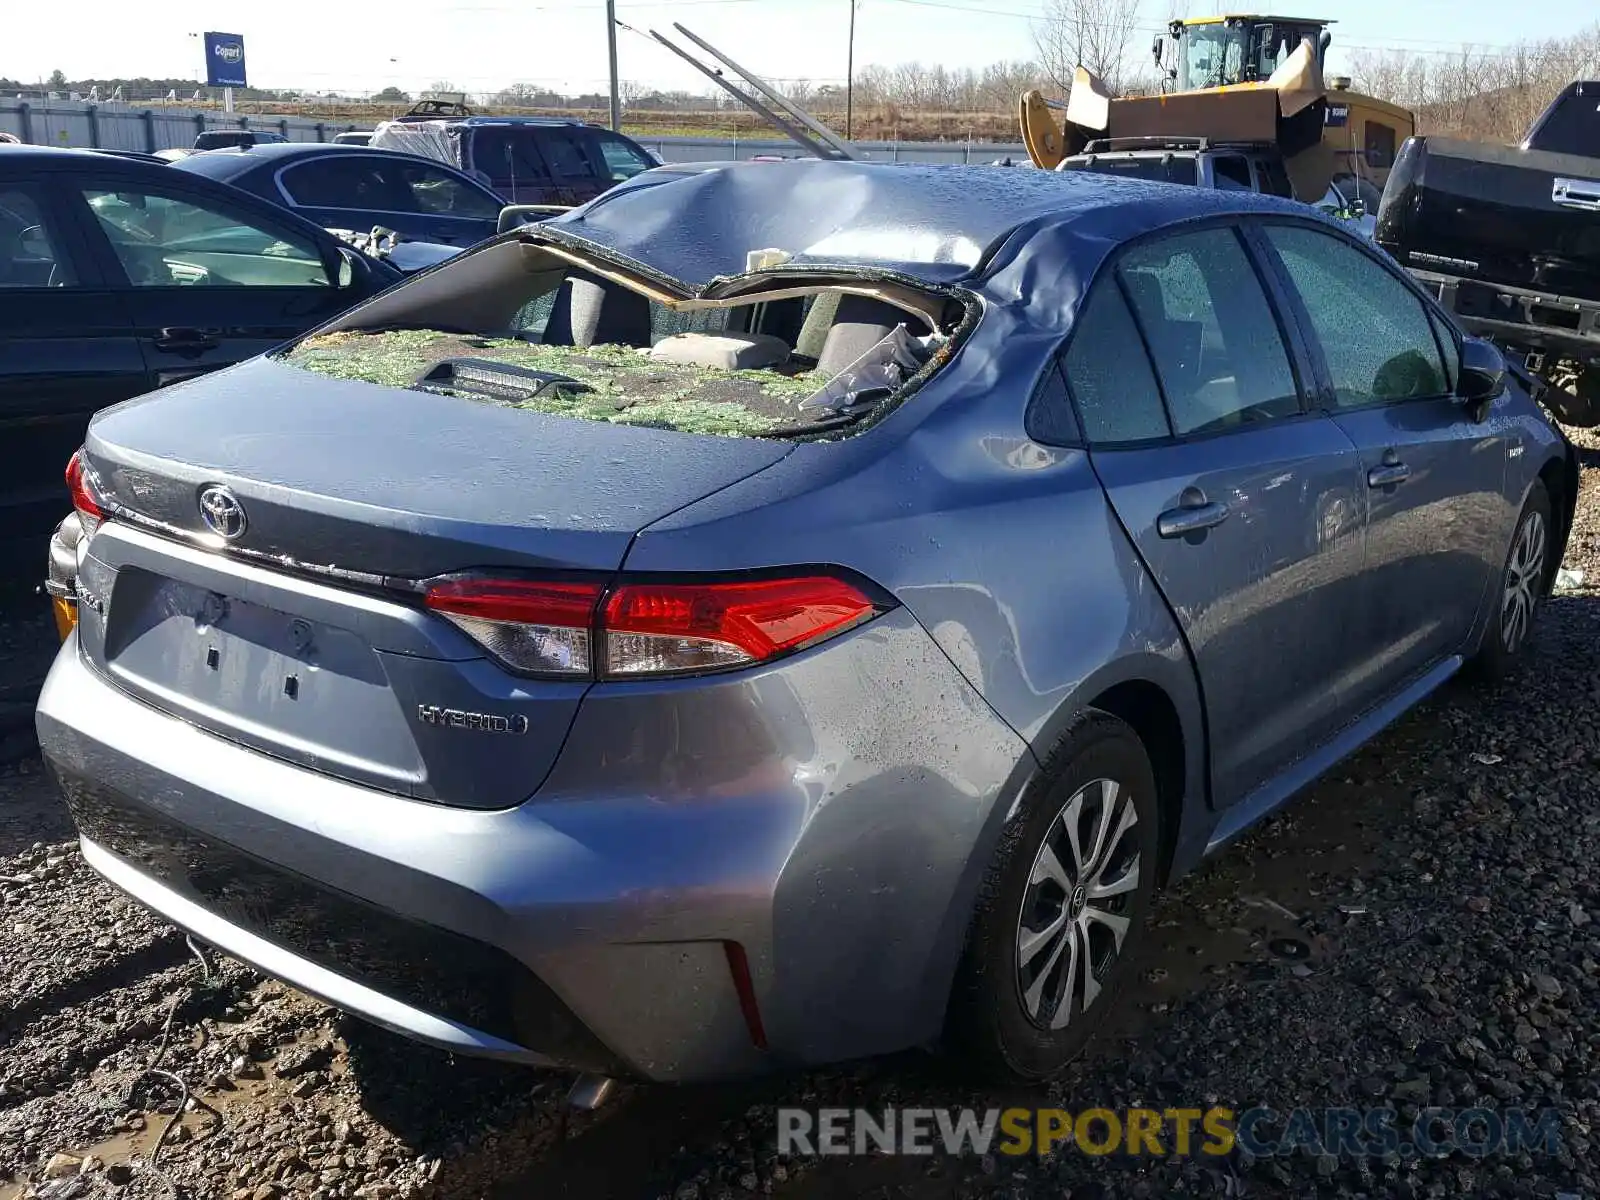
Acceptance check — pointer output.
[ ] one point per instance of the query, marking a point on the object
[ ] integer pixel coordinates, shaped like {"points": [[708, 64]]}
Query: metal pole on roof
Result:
{"points": [[850, 76], [611, 45]]}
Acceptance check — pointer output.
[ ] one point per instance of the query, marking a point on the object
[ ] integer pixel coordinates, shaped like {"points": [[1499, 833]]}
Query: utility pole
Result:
{"points": [[611, 45], [850, 76]]}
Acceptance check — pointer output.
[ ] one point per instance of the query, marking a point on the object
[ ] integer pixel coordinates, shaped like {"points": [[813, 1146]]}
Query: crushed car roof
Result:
{"points": [[938, 224]]}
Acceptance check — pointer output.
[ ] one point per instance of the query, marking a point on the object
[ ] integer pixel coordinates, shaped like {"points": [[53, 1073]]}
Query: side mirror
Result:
{"points": [[1483, 375], [1155, 48], [352, 268]]}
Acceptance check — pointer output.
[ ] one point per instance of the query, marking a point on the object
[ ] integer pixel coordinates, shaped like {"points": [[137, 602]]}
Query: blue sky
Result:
{"points": [[484, 44]]}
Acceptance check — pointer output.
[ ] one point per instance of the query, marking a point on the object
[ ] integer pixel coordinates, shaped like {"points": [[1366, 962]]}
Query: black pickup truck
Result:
{"points": [[1508, 238]]}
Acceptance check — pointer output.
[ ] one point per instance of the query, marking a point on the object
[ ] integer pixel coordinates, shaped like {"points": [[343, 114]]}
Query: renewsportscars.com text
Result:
{"points": [[1169, 1132]]}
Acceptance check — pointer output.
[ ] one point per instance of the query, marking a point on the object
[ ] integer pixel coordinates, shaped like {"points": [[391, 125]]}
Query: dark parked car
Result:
{"points": [[681, 647], [526, 160], [348, 187], [119, 275], [225, 139]]}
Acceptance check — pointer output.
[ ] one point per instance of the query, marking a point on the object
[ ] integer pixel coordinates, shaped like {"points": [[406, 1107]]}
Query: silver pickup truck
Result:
{"points": [[1201, 162]]}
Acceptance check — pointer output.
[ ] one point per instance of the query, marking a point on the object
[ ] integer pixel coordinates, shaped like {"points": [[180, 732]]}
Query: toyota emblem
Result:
{"points": [[222, 512]]}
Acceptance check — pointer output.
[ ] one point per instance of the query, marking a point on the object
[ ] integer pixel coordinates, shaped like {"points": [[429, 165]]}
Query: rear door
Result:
{"points": [[1243, 506], [577, 167], [208, 281], [419, 200], [447, 207], [507, 159], [1438, 521], [66, 349]]}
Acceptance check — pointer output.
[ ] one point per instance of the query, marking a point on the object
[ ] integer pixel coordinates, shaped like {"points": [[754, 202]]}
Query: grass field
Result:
{"points": [[886, 123]]}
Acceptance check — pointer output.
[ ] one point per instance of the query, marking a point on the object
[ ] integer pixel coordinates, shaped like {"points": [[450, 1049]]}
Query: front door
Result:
{"points": [[1243, 506], [1438, 523], [208, 283], [66, 350]]}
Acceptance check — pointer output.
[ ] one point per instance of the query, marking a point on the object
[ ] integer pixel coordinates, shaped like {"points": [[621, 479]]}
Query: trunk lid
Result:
{"points": [[361, 683], [391, 481]]}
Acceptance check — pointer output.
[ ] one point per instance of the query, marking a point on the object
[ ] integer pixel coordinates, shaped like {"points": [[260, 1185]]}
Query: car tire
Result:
{"points": [[1521, 588], [1006, 1013]]}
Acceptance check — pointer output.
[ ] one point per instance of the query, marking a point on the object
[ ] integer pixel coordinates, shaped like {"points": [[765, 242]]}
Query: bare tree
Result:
{"points": [[1477, 93], [1001, 83], [1091, 33]]}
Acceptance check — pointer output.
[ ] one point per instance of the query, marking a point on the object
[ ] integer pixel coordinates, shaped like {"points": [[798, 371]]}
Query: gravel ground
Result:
{"points": [[1441, 881]]}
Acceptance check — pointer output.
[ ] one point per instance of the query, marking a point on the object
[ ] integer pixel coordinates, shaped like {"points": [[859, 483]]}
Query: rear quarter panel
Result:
{"points": [[1002, 548], [1535, 447]]}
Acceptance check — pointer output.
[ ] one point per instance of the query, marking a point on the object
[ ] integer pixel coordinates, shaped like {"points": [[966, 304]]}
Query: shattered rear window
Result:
{"points": [[783, 363], [619, 384]]}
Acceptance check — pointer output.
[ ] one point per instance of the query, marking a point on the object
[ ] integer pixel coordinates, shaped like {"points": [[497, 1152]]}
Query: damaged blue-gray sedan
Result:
{"points": [[783, 612]]}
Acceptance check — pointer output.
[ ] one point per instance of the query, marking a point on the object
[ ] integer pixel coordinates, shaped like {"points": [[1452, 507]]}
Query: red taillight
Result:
{"points": [[538, 627], [678, 628], [84, 499], [642, 628]]}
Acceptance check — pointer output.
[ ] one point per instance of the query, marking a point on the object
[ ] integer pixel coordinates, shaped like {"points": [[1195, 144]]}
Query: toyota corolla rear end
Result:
{"points": [[363, 692]]}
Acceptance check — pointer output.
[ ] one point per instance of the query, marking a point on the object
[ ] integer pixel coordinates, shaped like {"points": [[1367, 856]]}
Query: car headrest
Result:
{"points": [[860, 323], [1145, 288], [593, 312]]}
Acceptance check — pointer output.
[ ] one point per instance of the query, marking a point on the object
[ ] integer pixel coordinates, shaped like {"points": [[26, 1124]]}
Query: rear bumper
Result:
{"points": [[1557, 324], [590, 927], [310, 976]]}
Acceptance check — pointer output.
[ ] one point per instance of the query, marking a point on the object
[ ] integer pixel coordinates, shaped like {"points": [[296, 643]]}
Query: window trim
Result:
{"points": [[1053, 378], [1121, 284], [599, 138], [1301, 365], [461, 178], [117, 275], [546, 179], [588, 149], [1249, 170], [68, 239], [1327, 396]]}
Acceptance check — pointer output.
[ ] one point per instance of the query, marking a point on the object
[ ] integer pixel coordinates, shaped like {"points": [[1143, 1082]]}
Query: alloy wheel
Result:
{"points": [[1076, 910], [1524, 577]]}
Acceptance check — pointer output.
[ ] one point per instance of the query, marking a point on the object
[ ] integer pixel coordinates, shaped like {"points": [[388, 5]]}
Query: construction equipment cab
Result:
{"points": [[1205, 53], [1224, 51]]}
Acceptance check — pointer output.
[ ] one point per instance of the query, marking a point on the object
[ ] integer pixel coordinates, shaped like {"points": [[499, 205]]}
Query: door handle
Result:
{"points": [[1576, 193], [185, 341], [1194, 514], [1388, 475]]}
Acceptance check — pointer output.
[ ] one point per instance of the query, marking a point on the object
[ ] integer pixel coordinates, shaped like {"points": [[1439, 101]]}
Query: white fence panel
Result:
{"points": [[161, 127]]}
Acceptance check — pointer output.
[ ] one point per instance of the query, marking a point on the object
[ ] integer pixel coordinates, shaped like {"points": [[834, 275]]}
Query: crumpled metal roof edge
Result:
{"points": [[694, 225], [801, 272]]}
